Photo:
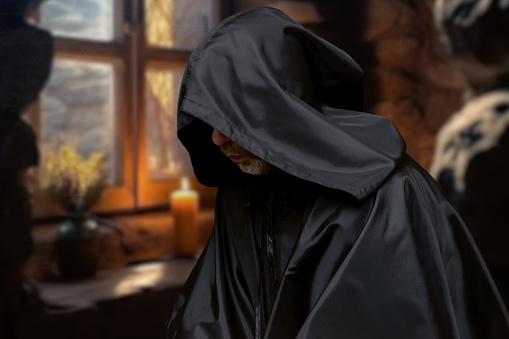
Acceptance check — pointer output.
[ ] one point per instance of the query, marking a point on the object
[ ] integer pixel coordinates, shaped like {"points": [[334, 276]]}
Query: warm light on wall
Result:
{"points": [[158, 14], [160, 85]]}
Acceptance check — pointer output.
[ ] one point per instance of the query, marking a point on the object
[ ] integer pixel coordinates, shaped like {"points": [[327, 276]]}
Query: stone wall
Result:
{"points": [[409, 78]]}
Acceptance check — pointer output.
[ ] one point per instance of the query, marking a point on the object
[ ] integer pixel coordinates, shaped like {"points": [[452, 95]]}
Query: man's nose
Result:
{"points": [[219, 138]]}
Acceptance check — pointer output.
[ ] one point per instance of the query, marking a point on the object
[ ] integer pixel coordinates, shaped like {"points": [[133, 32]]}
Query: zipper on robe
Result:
{"points": [[267, 258]]}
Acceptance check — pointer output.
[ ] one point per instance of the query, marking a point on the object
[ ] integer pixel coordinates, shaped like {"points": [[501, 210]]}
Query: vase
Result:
{"points": [[77, 247]]}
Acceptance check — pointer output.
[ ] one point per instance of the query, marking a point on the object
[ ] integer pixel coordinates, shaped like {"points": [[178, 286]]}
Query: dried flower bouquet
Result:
{"points": [[72, 181]]}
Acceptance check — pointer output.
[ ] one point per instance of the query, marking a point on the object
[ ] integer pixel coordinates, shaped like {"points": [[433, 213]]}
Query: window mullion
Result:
{"points": [[87, 50], [133, 36]]}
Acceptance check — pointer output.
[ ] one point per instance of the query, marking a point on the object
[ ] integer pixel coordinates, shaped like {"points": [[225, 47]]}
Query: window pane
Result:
{"points": [[176, 23], [77, 109], [82, 19], [166, 155]]}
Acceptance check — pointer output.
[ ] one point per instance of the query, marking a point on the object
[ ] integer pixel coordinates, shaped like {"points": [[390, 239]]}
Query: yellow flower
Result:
{"points": [[71, 179]]}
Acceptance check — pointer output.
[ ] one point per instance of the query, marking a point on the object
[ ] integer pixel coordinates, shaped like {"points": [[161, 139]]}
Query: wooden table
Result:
{"points": [[129, 303]]}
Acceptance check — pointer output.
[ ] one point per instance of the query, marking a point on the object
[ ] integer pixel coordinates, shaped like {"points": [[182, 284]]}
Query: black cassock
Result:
{"points": [[353, 239]]}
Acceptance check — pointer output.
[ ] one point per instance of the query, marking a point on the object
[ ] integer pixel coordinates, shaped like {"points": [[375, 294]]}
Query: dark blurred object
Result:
{"points": [[25, 54], [478, 38], [472, 153], [25, 57], [77, 247]]}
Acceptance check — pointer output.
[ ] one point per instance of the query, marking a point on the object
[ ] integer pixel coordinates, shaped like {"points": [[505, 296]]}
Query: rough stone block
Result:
{"points": [[398, 51]]}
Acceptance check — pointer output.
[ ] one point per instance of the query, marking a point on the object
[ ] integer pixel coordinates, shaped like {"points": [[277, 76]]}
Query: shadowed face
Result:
{"points": [[247, 162]]}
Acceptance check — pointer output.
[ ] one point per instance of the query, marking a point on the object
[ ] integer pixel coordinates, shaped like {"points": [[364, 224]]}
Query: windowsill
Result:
{"points": [[146, 237], [131, 302], [110, 285], [135, 288]]}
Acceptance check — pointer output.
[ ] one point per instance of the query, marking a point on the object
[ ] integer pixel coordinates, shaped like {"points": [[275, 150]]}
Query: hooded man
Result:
{"points": [[324, 228]]}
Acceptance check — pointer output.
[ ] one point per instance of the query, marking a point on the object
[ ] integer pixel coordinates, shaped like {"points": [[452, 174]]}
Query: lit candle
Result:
{"points": [[184, 207]]}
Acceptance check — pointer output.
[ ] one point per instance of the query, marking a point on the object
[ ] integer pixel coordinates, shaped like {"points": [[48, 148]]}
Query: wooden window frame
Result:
{"points": [[130, 56], [150, 191]]}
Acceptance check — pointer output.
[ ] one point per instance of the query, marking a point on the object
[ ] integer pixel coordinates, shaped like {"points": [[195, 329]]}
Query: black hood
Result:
{"points": [[288, 97]]}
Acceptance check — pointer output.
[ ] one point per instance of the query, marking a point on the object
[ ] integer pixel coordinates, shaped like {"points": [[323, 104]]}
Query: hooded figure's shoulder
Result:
{"points": [[411, 185]]}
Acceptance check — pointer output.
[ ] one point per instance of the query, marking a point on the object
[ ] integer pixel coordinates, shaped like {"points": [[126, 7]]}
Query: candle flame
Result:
{"points": [[184, 184]]}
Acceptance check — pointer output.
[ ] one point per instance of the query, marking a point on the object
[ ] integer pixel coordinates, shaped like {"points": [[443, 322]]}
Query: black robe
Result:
{"points": [[353, 239]]}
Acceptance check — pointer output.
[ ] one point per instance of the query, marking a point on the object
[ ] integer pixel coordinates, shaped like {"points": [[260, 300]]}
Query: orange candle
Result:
{"points": [[184, 207]]}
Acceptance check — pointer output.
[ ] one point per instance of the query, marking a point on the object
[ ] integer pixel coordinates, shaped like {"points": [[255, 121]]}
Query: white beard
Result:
{"points": [[257, 166]]}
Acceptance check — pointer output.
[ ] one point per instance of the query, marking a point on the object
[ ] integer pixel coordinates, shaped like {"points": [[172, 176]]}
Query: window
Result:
{"points": [[113, 88]]}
